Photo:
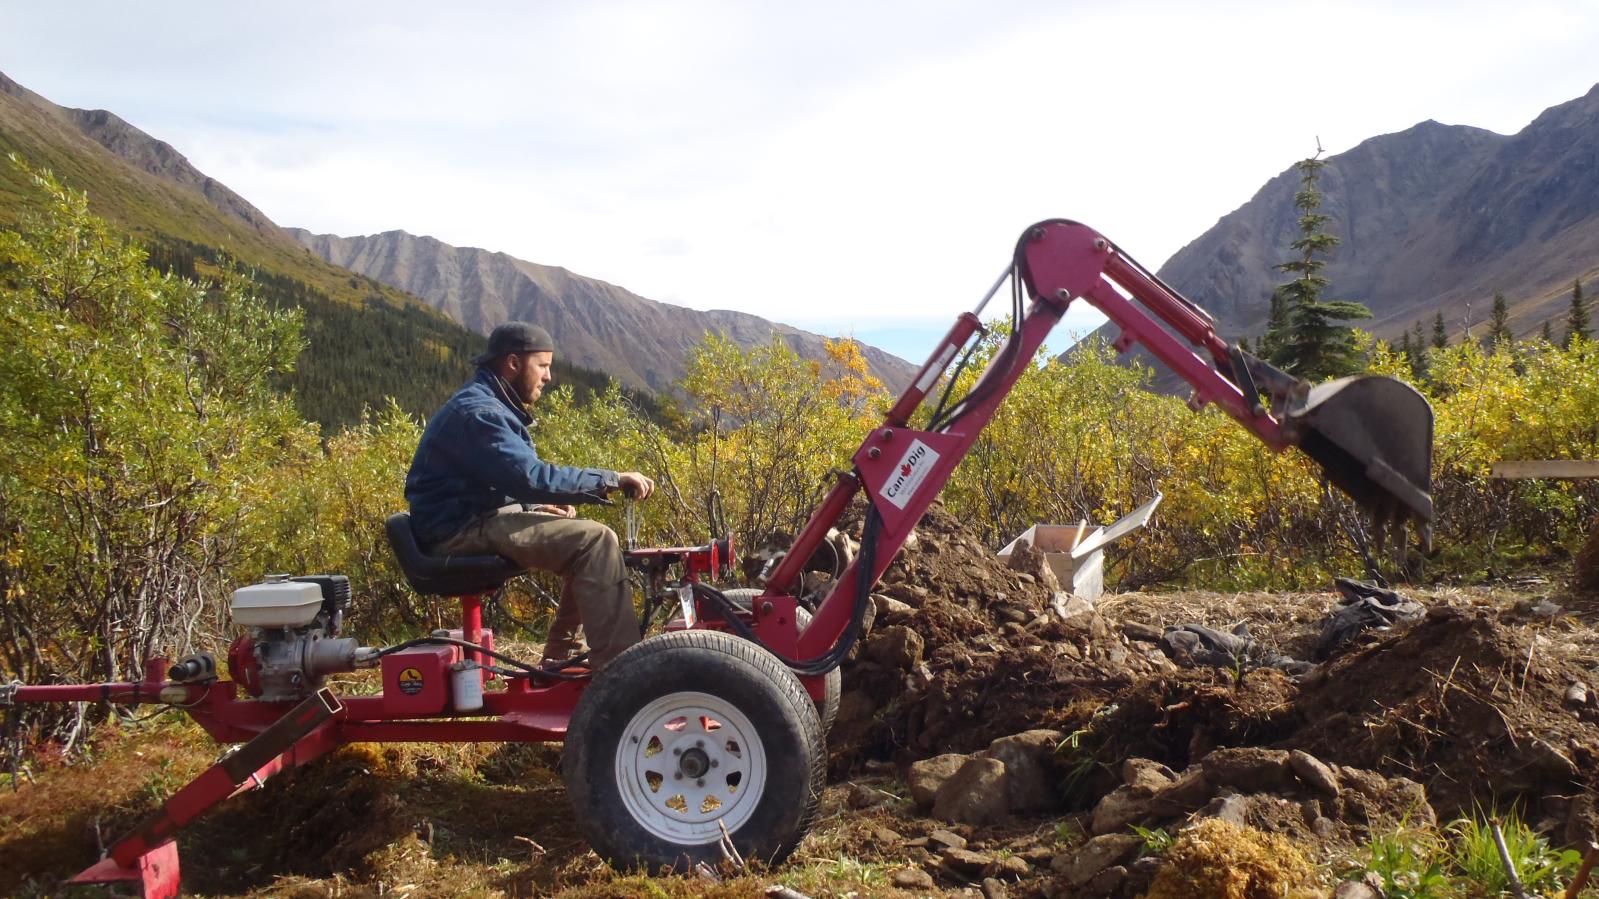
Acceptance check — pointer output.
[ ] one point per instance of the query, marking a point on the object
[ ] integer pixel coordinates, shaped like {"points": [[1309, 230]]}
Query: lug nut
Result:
{"points": [[677, 776], [677, 750], [700, 743], [714, 763], [700, 782]]}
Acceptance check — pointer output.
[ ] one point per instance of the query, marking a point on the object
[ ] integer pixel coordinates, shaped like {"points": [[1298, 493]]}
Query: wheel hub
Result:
{"points": [[688, 765], [694, 763]]}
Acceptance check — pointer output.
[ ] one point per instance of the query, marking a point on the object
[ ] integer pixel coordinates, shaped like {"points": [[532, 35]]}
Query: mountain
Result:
{"points": [[1432, 219], [356, 326], [640, 342]]}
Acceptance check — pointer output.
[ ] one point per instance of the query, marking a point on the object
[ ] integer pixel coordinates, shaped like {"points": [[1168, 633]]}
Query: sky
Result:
{"points": [[859, 168]]}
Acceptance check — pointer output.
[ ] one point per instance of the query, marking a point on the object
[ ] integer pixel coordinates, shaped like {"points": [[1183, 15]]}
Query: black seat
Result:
{"points": [[445, 575]]}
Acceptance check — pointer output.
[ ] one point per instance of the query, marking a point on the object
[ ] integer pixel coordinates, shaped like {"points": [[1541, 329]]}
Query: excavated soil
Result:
{"points": [[1471, 701]]}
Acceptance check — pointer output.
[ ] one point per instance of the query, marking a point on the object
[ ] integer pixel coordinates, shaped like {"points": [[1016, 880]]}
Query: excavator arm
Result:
{"points": [[1372, 435]]}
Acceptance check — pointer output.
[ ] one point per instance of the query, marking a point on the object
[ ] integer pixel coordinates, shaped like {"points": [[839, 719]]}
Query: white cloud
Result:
{"points": [[845, 163]]}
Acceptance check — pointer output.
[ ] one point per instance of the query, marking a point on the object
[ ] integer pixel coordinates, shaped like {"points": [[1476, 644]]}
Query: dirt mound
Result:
{"points": [[995, 657], [1468, 702], [1460, 703]]}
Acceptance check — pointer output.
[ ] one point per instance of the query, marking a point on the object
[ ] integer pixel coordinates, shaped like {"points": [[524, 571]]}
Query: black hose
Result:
{"points": [[835, 655], [526, 670]]}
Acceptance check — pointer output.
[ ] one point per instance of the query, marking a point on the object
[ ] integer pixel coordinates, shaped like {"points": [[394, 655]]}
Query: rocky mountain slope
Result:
{"points": [[640, 342], [1431, 219]]}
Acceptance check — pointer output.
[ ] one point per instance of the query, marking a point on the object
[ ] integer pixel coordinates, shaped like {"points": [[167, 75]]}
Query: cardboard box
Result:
{"points": [[1079, 563]]}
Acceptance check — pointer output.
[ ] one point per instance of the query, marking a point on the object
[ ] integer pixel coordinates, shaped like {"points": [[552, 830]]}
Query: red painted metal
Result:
{"points": [[472, 624], [155, 872]]}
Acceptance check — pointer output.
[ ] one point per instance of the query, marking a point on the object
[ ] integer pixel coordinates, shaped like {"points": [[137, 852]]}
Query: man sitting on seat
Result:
{"points": [[477, 486]]}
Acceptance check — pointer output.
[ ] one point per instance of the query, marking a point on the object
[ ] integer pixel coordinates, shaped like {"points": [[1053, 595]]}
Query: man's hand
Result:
{"points": [[635, 485], [560, 511]]}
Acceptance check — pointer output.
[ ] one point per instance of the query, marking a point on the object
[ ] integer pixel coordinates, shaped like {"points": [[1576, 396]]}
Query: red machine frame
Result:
{"points": [[901, 469]]}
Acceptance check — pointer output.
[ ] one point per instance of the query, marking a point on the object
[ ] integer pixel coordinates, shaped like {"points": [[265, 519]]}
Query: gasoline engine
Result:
{"points": [[293, 641]]}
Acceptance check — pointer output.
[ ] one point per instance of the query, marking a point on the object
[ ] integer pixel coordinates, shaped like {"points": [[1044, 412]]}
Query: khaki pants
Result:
{"points": [[596, 592]]}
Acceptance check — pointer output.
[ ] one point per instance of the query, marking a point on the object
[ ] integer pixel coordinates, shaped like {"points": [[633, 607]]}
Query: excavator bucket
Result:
{"points": [[1372, 435]]}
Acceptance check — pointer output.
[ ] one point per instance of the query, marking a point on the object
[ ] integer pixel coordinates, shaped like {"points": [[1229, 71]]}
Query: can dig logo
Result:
{"points": [[913, 469]]}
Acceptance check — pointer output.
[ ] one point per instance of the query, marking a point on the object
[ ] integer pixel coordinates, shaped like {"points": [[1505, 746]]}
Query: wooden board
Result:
{"points": [[1548, 468]]}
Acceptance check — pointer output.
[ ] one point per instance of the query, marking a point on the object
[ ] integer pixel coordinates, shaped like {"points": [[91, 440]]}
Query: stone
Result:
{"points": [[1117, 809], [1031, 562], [890, 609], [1248, 769], [887, 836], [896, 646], [1582, 818], [1233, 809], [1106, 882], [861, 796], [927, 775], [965, 862], [1094, 856], [1146, 776], [1190, 791], [993, 889], [1010, 867], [853, 706], [1040, 856], [1354, 889], [975, 794], [1069, 605], [946, 839], [1324, 828], [1030, 777], [1313, 772], [912, 879]]}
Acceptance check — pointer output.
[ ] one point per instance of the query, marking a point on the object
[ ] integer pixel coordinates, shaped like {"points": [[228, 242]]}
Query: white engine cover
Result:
{"points": [[276, 603]]}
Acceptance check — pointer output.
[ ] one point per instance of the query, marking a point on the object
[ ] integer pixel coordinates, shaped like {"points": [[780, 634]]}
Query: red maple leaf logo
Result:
{"points": [[905, 469]]}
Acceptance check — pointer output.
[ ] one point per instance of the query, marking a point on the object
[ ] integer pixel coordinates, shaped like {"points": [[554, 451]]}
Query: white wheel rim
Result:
{"points": [[689, 763]]}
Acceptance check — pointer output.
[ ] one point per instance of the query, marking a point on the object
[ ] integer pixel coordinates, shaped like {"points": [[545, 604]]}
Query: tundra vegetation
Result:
{"points": [[150, 461]]}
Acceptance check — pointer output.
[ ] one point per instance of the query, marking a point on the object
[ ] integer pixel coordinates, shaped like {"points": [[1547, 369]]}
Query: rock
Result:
{"points": [[1142, 633], [946, 839], [896, 647], [1105, 882], [1354, 889], [853, 706], [890, 609], [1146, 776], [1248, 769], [1069, 606], [1094, 856], [912, 879], [1038, 855], [1119, 808], [965, 862], [927, 775], [1233, 809], [887, 836], [1577, 694], [861, 796], [993, 889], [1030, 561], [1190, 791], [1313, 772], [975, 794], [1029, 776], [1324, 828], [1011, 867]]}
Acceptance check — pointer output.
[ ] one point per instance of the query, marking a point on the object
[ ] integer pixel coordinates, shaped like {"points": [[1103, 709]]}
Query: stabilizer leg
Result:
{"points": [[148, 856]]}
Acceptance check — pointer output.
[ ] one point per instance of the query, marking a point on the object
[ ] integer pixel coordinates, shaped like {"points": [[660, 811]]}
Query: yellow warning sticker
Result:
{"points": [[410, 681]]}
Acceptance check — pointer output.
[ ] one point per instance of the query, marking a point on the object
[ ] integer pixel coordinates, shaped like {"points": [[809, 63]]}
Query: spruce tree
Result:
{"points": [[1312, 343], [1577, 319], [1499, 323], [1418, 353], [1440, 337], [1548, 333]]}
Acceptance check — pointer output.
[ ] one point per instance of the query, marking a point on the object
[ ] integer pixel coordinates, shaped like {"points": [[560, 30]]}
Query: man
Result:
{"points": [[477, 486]]}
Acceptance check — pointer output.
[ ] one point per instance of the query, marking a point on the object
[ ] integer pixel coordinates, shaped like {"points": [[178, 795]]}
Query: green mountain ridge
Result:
{"points": [[367, 340]]}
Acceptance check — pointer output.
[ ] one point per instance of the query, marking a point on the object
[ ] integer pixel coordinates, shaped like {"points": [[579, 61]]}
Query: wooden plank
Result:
{"points": [[1547, 468]]}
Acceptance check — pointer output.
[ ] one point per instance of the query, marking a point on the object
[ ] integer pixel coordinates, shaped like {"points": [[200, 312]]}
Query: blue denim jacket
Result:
{"points": [[476, 456]]}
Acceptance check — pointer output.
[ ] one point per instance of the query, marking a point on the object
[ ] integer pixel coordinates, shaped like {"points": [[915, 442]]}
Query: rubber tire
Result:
{"points": [[732, 670], [833, 686]]}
